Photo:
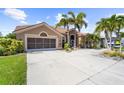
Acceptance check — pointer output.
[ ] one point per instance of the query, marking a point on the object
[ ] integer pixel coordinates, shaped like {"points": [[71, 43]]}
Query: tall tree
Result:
{"points": [[111, 27], [119, 26], [77, 21], [111, 24], [64, 21], [122, 34], [102, 26], [11, 35], [92, 40]]}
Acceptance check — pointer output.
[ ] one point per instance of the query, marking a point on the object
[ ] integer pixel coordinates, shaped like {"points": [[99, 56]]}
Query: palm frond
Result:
{"points": [[72, 14]]}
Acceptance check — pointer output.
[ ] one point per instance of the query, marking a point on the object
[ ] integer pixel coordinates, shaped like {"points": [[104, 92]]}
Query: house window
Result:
{"points": [[43, 34]]}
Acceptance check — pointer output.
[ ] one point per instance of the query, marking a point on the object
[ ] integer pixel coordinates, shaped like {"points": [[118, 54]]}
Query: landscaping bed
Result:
{"points": [[13, 69], [113, 54]]}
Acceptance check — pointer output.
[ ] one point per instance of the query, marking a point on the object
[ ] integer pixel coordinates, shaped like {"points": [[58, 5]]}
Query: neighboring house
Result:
{"points": [[103, 44], [42, 36]]}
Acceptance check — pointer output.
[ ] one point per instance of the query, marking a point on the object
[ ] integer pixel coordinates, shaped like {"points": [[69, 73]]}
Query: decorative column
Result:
{"points": [[75, 41], [68, 38]]}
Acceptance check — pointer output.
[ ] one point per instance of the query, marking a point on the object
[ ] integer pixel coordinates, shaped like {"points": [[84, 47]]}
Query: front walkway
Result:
{"points": [[83, 66]]}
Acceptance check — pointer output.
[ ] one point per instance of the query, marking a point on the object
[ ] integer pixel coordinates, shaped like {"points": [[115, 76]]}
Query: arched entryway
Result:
{"points": [[72, 40]]}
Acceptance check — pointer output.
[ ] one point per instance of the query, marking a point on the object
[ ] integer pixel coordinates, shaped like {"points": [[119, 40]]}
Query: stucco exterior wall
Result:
{"points": [[37, 31]]}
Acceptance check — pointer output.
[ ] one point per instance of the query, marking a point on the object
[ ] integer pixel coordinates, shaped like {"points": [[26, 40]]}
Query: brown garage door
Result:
{"points": [[40, 43]]}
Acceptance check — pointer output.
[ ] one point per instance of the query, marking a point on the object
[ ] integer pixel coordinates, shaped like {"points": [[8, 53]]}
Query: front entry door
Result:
{"points": [[72, 40]]}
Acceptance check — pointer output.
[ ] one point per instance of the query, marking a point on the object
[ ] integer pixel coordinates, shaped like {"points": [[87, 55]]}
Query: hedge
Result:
{"points": [[10, 46]]}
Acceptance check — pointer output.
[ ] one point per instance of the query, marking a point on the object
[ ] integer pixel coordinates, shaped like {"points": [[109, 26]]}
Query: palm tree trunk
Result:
{"points": [[110, 40], [118, 36], [106, 40], [119, 39], [118, 33], [68, 38], [120, 46], [75, 41], [85, 43]]}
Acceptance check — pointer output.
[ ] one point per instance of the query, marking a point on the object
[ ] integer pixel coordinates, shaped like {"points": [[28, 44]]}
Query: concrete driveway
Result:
{"points": [[81, 67]]}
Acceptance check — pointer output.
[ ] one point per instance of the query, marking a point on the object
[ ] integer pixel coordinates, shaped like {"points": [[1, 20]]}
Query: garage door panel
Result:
{"points": [[46, 41], [46, 46], [53, 45], [41, 43], [31, 46], [31, 40], [53, 41], [39, 46]]}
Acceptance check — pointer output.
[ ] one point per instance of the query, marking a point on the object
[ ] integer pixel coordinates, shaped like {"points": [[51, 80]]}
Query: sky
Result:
{"points": [[12, 17]]}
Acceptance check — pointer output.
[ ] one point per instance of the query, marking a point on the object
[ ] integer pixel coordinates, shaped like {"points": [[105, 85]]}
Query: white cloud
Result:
{"points": [[23, 22], [16, 14], [38, 22], [58, 17], [48, 17], [120, 14], [116, 14], [89, 29], [5, 31]]}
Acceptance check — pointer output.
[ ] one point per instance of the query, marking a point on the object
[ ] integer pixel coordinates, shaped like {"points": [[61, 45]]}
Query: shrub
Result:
{"points": [[5, 42], [67, 47], [10, 46], [113, 54], [122, 55], [2, 51], [17, 46], [11, 35]]}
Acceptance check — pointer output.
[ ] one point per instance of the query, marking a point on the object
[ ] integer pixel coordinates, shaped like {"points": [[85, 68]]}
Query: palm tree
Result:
{"points": [[119, 26], [88, 40], [122, 34], [96, 39], [65, 23], [111, 27], [77, 21], [108, 25], [92, 40], [102, 26]]}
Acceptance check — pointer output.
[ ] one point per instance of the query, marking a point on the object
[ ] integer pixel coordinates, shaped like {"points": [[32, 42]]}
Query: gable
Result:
{"points": [[40, 29], [36, 28]]}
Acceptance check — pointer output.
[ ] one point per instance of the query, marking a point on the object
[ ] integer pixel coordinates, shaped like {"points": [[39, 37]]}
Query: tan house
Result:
{"points": [[42, 36]]}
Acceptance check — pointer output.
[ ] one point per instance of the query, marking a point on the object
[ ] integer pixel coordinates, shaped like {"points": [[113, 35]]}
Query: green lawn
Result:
{"points": [[13, 70]]}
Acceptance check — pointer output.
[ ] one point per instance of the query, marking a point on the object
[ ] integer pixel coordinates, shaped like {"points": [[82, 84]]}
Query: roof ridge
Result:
{"points": [[28, 26]]}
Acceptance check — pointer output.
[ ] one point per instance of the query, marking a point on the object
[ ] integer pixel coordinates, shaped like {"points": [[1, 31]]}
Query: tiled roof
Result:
{"points": [[58, 29], [61, 30], [21, 27]]}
